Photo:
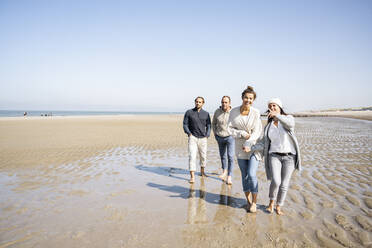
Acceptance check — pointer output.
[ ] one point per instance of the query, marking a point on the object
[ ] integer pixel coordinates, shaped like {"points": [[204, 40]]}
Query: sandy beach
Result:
{"points": [[122, 181]]}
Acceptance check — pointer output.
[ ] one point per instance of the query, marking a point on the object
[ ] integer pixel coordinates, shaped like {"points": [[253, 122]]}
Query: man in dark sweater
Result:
{"points": [[197, 125]]}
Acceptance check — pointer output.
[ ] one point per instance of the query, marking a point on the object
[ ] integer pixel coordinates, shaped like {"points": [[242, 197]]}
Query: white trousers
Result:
{"points": [[197, 146]]}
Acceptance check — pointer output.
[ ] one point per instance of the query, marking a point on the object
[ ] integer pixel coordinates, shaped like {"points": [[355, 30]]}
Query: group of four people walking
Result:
{"points": [[239, 130]]}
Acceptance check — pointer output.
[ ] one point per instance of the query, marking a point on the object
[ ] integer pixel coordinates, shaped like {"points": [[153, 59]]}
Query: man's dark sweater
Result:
{"points": [[197, 123]]}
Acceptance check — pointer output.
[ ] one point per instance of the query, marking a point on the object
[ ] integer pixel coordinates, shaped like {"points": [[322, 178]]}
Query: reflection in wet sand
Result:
{"points": [[196, 209], [223, 213]]}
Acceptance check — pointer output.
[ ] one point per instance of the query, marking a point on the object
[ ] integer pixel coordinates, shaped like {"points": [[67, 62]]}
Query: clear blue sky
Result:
{"points": [[159, 55]]}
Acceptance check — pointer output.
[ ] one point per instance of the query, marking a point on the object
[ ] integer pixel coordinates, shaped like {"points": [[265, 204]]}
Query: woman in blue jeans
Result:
{"points": [[226, 143], [245, 126]]}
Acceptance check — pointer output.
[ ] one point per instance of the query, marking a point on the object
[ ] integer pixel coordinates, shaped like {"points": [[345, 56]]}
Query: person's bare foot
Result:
{"points": [[270, 208], [248, 206], [223, 176], [229, 181], [279, 211], [202, 172], [249, 199], [253, 208], [192, 180]]}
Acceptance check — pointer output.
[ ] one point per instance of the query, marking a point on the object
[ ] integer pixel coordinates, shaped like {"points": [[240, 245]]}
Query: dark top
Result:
{"points": [[197, 123]]}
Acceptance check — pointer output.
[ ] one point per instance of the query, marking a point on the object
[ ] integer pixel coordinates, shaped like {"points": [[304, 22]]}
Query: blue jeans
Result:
{"points": [[226, 146], [248, 169]]}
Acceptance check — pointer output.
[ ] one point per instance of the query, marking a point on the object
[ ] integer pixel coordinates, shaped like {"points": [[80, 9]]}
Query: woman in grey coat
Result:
{"points": [[280, 151]]}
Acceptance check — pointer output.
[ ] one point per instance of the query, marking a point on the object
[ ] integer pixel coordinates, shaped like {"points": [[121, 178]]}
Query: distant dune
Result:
{"points": [[347, 109], [364, 113]]}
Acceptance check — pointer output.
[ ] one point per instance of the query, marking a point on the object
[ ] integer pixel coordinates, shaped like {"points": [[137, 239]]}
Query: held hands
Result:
{"points": [[247, 136], [246, 149]]}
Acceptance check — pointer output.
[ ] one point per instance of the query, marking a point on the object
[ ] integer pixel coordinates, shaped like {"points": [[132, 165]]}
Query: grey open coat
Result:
{"points": [[263, 145]]}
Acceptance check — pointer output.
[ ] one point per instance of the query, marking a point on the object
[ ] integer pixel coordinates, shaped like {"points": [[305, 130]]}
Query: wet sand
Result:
{"points": [[121, 181]]}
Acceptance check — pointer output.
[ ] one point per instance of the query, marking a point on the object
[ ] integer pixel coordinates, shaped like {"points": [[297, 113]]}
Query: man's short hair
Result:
{"points": [[200, 98], [226, 97]]}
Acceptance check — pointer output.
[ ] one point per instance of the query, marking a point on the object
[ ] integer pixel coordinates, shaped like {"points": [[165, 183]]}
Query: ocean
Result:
{"points": [[19, 113]]}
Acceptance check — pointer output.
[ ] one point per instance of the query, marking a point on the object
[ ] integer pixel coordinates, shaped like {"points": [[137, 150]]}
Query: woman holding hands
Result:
{"points": [[245, 126]]}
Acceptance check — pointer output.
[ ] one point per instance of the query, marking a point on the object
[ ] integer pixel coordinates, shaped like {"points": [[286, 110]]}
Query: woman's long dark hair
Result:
{"points": [[271, 119]]}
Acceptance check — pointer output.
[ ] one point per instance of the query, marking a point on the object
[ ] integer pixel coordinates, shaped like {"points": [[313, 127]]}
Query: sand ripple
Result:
{"points": [[131, 193]]}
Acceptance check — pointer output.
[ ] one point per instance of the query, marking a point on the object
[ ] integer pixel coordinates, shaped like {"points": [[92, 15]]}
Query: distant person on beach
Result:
{"points": [[281, 153], [197, 125], [245, 126], [226, 142], [25, 114]]}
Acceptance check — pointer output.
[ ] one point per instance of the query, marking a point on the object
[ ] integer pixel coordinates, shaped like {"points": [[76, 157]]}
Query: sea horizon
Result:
{"points": [[19, 113]]}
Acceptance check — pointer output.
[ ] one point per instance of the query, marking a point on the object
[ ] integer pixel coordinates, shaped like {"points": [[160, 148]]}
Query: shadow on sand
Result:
{"points": [[224, 198], [186, 193], [172, 172], [165, 171]]}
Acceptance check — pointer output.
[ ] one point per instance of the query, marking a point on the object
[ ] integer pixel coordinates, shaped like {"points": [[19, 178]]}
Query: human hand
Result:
{"points": [[246, 149], [272, 114]]}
